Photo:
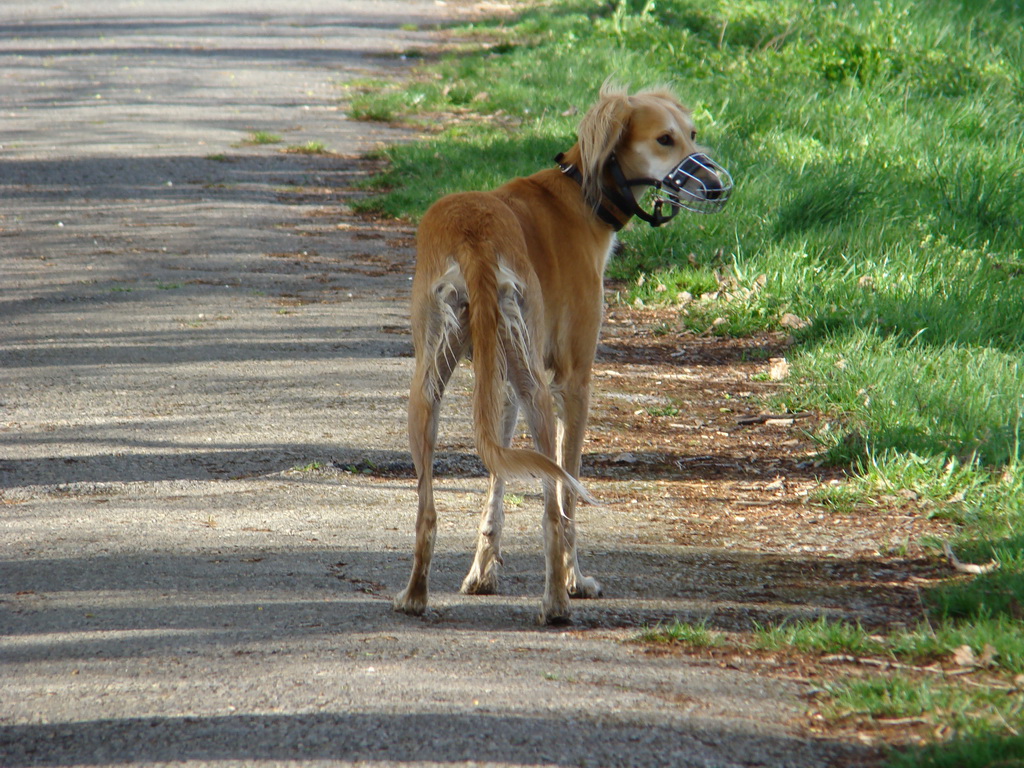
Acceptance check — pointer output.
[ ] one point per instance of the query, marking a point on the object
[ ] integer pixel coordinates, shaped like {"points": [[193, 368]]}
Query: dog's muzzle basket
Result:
{"points": [[697, 184]]}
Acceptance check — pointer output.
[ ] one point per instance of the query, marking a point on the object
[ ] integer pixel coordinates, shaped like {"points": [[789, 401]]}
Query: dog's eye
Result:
{"points": [[666, 140], [693, 135]]}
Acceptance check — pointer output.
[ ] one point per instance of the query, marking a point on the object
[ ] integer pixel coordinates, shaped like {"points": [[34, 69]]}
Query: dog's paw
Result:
{"points": [[412, 605], [586, 588], [555, 609], [476, 584], [481, 580]]}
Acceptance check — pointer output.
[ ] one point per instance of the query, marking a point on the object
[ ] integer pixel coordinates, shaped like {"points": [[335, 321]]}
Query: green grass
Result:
{"points": [[309, 148], [972, 713], [662, 411], [878, 154], [313, 466], [681, 633], [256, 138], [820, 636], [984, 711], [921, 645], [929, 643], [987, 712], [984, 750]]}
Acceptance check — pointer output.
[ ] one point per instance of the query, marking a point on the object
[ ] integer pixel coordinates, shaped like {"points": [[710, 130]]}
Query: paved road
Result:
{"points": [[196, 339]]}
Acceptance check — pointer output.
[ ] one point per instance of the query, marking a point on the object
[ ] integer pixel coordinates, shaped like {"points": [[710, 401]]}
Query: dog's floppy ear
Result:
{"points": [[600, 132]]}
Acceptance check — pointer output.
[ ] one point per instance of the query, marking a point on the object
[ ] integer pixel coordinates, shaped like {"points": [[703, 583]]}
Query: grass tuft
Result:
{"points": [[820, 636], [992, 751], [257, 138], [309, 148], [681, 633]]}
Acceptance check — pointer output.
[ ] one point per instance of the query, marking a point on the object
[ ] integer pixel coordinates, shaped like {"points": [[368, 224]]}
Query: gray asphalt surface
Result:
{"points": [[201, 351]]}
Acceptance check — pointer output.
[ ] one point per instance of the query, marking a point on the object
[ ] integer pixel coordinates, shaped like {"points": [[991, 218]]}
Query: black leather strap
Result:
{"points": [[610, 209]]}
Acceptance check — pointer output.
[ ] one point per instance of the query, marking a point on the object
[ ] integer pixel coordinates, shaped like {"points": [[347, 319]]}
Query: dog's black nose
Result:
{"points": [[712, 188]]}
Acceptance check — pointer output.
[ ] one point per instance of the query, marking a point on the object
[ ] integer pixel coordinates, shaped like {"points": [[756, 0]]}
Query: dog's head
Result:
{"points": [[648, 139]]}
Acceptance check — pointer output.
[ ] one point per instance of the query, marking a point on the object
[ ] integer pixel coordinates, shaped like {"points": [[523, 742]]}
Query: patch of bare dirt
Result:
{"points": [[690, 414]]}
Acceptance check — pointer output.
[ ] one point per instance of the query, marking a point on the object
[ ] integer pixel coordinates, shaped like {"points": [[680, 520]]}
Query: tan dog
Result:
{"points": [[515, 277]]}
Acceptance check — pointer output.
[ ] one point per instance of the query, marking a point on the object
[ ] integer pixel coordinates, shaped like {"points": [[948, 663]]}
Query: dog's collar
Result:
{"points": [[624, 191], [613, 209], [617, 206]]}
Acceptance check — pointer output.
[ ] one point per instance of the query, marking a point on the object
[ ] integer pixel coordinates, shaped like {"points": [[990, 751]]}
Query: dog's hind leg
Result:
{"points": [[575, 407], [527, 377], [482, 578], [441, 339], [539, 411]]}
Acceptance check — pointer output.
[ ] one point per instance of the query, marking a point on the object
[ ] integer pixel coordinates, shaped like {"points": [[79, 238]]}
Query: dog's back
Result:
{"points": [[474, 271]]}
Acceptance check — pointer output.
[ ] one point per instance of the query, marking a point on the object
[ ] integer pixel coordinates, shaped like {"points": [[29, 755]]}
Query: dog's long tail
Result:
{"points": [[501, 345]]}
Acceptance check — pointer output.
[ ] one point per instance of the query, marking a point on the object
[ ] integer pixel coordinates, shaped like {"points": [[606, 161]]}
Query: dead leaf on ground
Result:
{"points": [[964, 656], [988, 656], [794, 322], [779, 369]]}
